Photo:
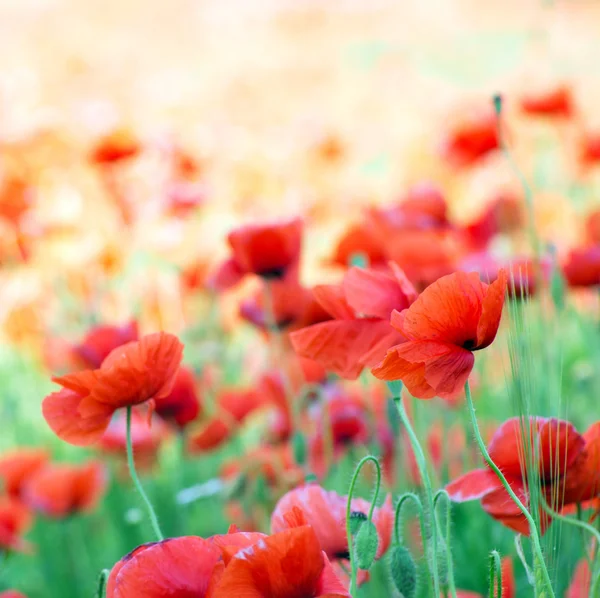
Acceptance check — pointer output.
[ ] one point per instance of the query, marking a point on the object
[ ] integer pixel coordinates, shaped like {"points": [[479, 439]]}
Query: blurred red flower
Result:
{"points": [[18, 465], [15, 520], [118, 145], [564, 463], [453, 317], [101, 340], [582, 267], [134, 373], [554, 102], [60, 490], [362, 239], [581, 583], [182, 405], [12, 594], [472, 138], [268, 250], [360, 332]]}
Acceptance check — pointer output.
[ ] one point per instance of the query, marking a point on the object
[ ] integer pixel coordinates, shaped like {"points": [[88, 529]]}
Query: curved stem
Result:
{"points": [[495, 590], [360, 465], [535, 537], [136, 480], [436, 498], [408, 496], [422, 466]]}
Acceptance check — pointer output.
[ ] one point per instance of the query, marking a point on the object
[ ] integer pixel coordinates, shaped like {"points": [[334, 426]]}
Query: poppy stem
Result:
{"points": [[398, 514], [446, 536], [495, 589], [396, 389], [544, 584], [351, 555], [136, 480], [102, 579]]}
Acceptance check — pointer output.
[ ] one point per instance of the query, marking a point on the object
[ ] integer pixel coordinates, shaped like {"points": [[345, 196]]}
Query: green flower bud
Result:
{"points": [[356, 520], [366, 544], [403, 571]]}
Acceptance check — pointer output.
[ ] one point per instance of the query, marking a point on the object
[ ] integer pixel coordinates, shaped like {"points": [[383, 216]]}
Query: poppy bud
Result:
{"points": [[403, 571], [356, 520], [366, 544], [497, 100], [442, 561], [299, 448]]}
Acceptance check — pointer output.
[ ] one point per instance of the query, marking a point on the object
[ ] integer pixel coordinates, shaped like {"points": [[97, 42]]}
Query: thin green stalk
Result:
{"points": [[361, 463], [398, 512], [535, 538], [422, 466], [102, 580], [136, 480], [495, 589], [439, 494]]}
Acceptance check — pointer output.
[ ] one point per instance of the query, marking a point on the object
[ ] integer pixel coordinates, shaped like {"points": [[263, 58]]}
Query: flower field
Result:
{"points": [[299, 299]]}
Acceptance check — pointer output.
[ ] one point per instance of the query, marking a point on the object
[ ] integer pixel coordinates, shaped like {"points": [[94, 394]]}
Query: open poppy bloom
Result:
{"points": [[471, 139], [101, 340], [326, 513], [362, 239], [554, 102], [268, 250], [582, 268], [360, 333], [59, 490], [15, 520], [18, 465], [564, 463], [453, 317], [177, 567], [132, 374], [182, 405], [288, 564]]}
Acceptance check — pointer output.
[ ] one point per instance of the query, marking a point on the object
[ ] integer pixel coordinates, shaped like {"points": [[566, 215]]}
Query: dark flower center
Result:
{"points": [[469, 345]]}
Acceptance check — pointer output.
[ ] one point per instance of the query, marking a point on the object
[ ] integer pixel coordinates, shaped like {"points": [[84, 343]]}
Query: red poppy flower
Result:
{"points": [[268, 250], [211, 434], [15, 520], [60, 490], [581, 583], [502, 215], [16, 197], [17, 466], [360, 333], [182, 405], [326, 513], [226, 276], [134, 373], [475, 136], [177, 567], [555, 102], [589, 149], [582, 268], [558, 448], [423, 207], [425, 254], [592, 227], [453, 317], [119, 145], [293, 305], [361, 239], [289, 564], [194, 276], [101, 340]]}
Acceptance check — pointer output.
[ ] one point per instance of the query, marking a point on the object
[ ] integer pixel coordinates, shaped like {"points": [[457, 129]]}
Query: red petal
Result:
{"points": [[473, 485], [509, 589], [581, 582], [330, 585], [61, 411], [559, 445], [332, 299], [339, 345], [179, 567], [491, 311], [373, 293]]}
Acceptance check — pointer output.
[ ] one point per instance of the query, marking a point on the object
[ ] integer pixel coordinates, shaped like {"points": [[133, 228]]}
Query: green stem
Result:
{"points": [[422, 466], [361, 463], [495, 575], [535, 538], [447, 536], [398, 513], [136, 480]]}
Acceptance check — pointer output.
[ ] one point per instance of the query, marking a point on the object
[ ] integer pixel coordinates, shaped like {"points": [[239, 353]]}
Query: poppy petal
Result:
{"points": [[473, 485], [181, 567], [491, 311], [559, 444], [332, 299]]}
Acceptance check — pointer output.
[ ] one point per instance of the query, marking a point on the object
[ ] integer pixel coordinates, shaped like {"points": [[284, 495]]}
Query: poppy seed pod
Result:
{"points": [[367, 541], [403, 571]]}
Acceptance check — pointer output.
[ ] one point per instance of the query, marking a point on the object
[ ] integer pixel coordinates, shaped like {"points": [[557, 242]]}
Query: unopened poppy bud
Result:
{"points": [[403, 571], [497, 99], [299, 448], [356, 520], [366, 544]]}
